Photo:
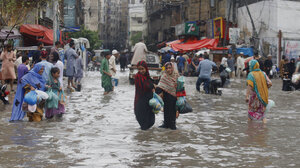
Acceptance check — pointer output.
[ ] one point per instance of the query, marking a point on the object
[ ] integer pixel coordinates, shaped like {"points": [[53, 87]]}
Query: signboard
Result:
{"points": [[191, 28], [188, 28], [219, 28], [234, 35], [179, 29], [292, 48]]}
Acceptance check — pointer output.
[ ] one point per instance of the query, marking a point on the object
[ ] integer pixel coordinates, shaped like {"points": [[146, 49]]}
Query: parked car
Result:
{"points": [[154, 67]]}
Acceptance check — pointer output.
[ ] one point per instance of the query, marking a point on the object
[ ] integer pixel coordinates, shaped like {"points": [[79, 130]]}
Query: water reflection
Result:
{"points": [[257, 134], [101, 131]]}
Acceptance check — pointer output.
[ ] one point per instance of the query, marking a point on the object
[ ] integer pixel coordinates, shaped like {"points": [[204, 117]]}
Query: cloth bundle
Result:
{"points": [[181, 104], [296, 78], [52, 101], [156, 103]]}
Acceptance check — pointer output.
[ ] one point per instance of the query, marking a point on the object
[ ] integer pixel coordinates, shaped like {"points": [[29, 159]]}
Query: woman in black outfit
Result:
{"points": [[167, 90], [143, 93]]}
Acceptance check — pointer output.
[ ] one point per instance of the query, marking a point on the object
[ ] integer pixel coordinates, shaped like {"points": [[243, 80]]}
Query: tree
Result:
{"points": [[15, 12], [135, 38], [92, 36]]}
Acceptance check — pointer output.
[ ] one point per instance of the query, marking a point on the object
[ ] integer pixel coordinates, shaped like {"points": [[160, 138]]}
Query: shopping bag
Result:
{"points": [[31, 98], [52, 101], [156, 103], [186, 109]]}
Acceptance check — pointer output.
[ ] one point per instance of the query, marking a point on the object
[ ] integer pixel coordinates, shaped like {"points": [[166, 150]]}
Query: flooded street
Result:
{"points": [[101, 131]]}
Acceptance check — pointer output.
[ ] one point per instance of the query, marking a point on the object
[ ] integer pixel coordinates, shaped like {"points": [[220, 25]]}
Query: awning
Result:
{"points": [[196, 45], [174, 42], [38, 31], [12, 35]]}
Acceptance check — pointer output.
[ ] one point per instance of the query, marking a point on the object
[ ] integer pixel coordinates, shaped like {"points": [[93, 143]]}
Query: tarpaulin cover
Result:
{"points": [[196, 45], [246, 51], [39, 31], [174, 42]]}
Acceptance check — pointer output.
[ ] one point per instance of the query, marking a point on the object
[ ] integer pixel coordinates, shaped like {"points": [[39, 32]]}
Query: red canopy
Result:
{"points": [[196, 45], [174, 42], [39, 31]]}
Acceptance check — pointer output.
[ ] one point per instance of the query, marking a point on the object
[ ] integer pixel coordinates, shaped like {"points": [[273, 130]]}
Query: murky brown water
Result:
{"points": [[101, 131]]}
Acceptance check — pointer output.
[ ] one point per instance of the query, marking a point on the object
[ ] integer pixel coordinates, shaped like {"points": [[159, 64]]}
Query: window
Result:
{"points": [[132, 1], [65, 9]]}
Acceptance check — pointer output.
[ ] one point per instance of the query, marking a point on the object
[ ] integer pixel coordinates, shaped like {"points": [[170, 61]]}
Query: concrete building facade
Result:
{"points": [[137, 19], [269, 18]]}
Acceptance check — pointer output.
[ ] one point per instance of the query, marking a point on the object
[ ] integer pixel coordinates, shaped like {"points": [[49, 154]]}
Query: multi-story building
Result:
{"points": [[174, 12], [92, 14], [137, 20], [275, 24]]}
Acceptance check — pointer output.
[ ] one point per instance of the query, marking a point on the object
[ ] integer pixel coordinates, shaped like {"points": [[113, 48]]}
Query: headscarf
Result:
{"points": [[34, 74], [258, 81], [143, 82], [34, 79], [168, 82]]}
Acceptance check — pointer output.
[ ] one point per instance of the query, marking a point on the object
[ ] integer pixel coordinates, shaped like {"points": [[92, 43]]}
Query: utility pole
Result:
{"points": [[227, 24], [255, 38], [55, 21]]}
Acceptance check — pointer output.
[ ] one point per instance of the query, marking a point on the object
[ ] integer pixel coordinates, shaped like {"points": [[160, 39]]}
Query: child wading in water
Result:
{"points": [[78, 73], [54, 85]]}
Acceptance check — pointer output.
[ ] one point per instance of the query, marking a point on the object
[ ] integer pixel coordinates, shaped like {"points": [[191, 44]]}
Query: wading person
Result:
{"points": [[78, 72], [31, 81], [240, 64], [55, 87], [143, 93], [205, 68], [45, 64], [112, 65], [8, 58], [106, 76], [257, 94], [166, 88], [22, 68], [268, 65], [59, 64], [36, 56], [140, 51], [71, 56], [230, 63]]}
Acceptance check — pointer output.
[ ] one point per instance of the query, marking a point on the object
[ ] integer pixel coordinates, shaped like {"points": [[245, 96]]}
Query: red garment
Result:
{"points": [[189, 60], [143, 82], [181, 94]]}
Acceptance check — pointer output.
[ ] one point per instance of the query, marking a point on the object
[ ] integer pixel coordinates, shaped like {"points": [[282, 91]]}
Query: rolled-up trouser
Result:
{"points": [[239, 72], [206, 84]]}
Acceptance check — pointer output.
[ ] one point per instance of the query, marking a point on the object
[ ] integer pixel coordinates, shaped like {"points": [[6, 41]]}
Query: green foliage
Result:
{"points": [[15, 11], [92, 36], [135, 38]]}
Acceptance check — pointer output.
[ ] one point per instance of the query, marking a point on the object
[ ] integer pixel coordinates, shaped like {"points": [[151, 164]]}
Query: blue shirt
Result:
{"points": [[166, 58], [181, 61], [47, 67], [205, 68]]}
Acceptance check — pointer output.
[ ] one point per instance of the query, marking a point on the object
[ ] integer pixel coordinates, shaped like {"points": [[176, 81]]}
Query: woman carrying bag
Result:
{"points": [[143, 93], [166, 88]]}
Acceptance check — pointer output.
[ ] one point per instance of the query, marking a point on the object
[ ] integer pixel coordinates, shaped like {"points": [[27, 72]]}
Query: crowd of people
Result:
{"points": [[42, 78], [257, 71], [39, 78]]}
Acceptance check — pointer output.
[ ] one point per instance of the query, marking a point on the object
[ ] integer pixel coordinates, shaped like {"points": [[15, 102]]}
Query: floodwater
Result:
{"points": [[101, 131]]}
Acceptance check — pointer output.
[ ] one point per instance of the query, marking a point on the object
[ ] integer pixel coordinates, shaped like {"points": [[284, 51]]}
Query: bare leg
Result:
{"points": [[11, 81], [69, 82], [264, 120], [73, 85]]}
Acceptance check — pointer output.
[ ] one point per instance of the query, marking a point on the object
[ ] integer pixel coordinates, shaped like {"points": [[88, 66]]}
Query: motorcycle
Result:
{"points": [[4, 94]]}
